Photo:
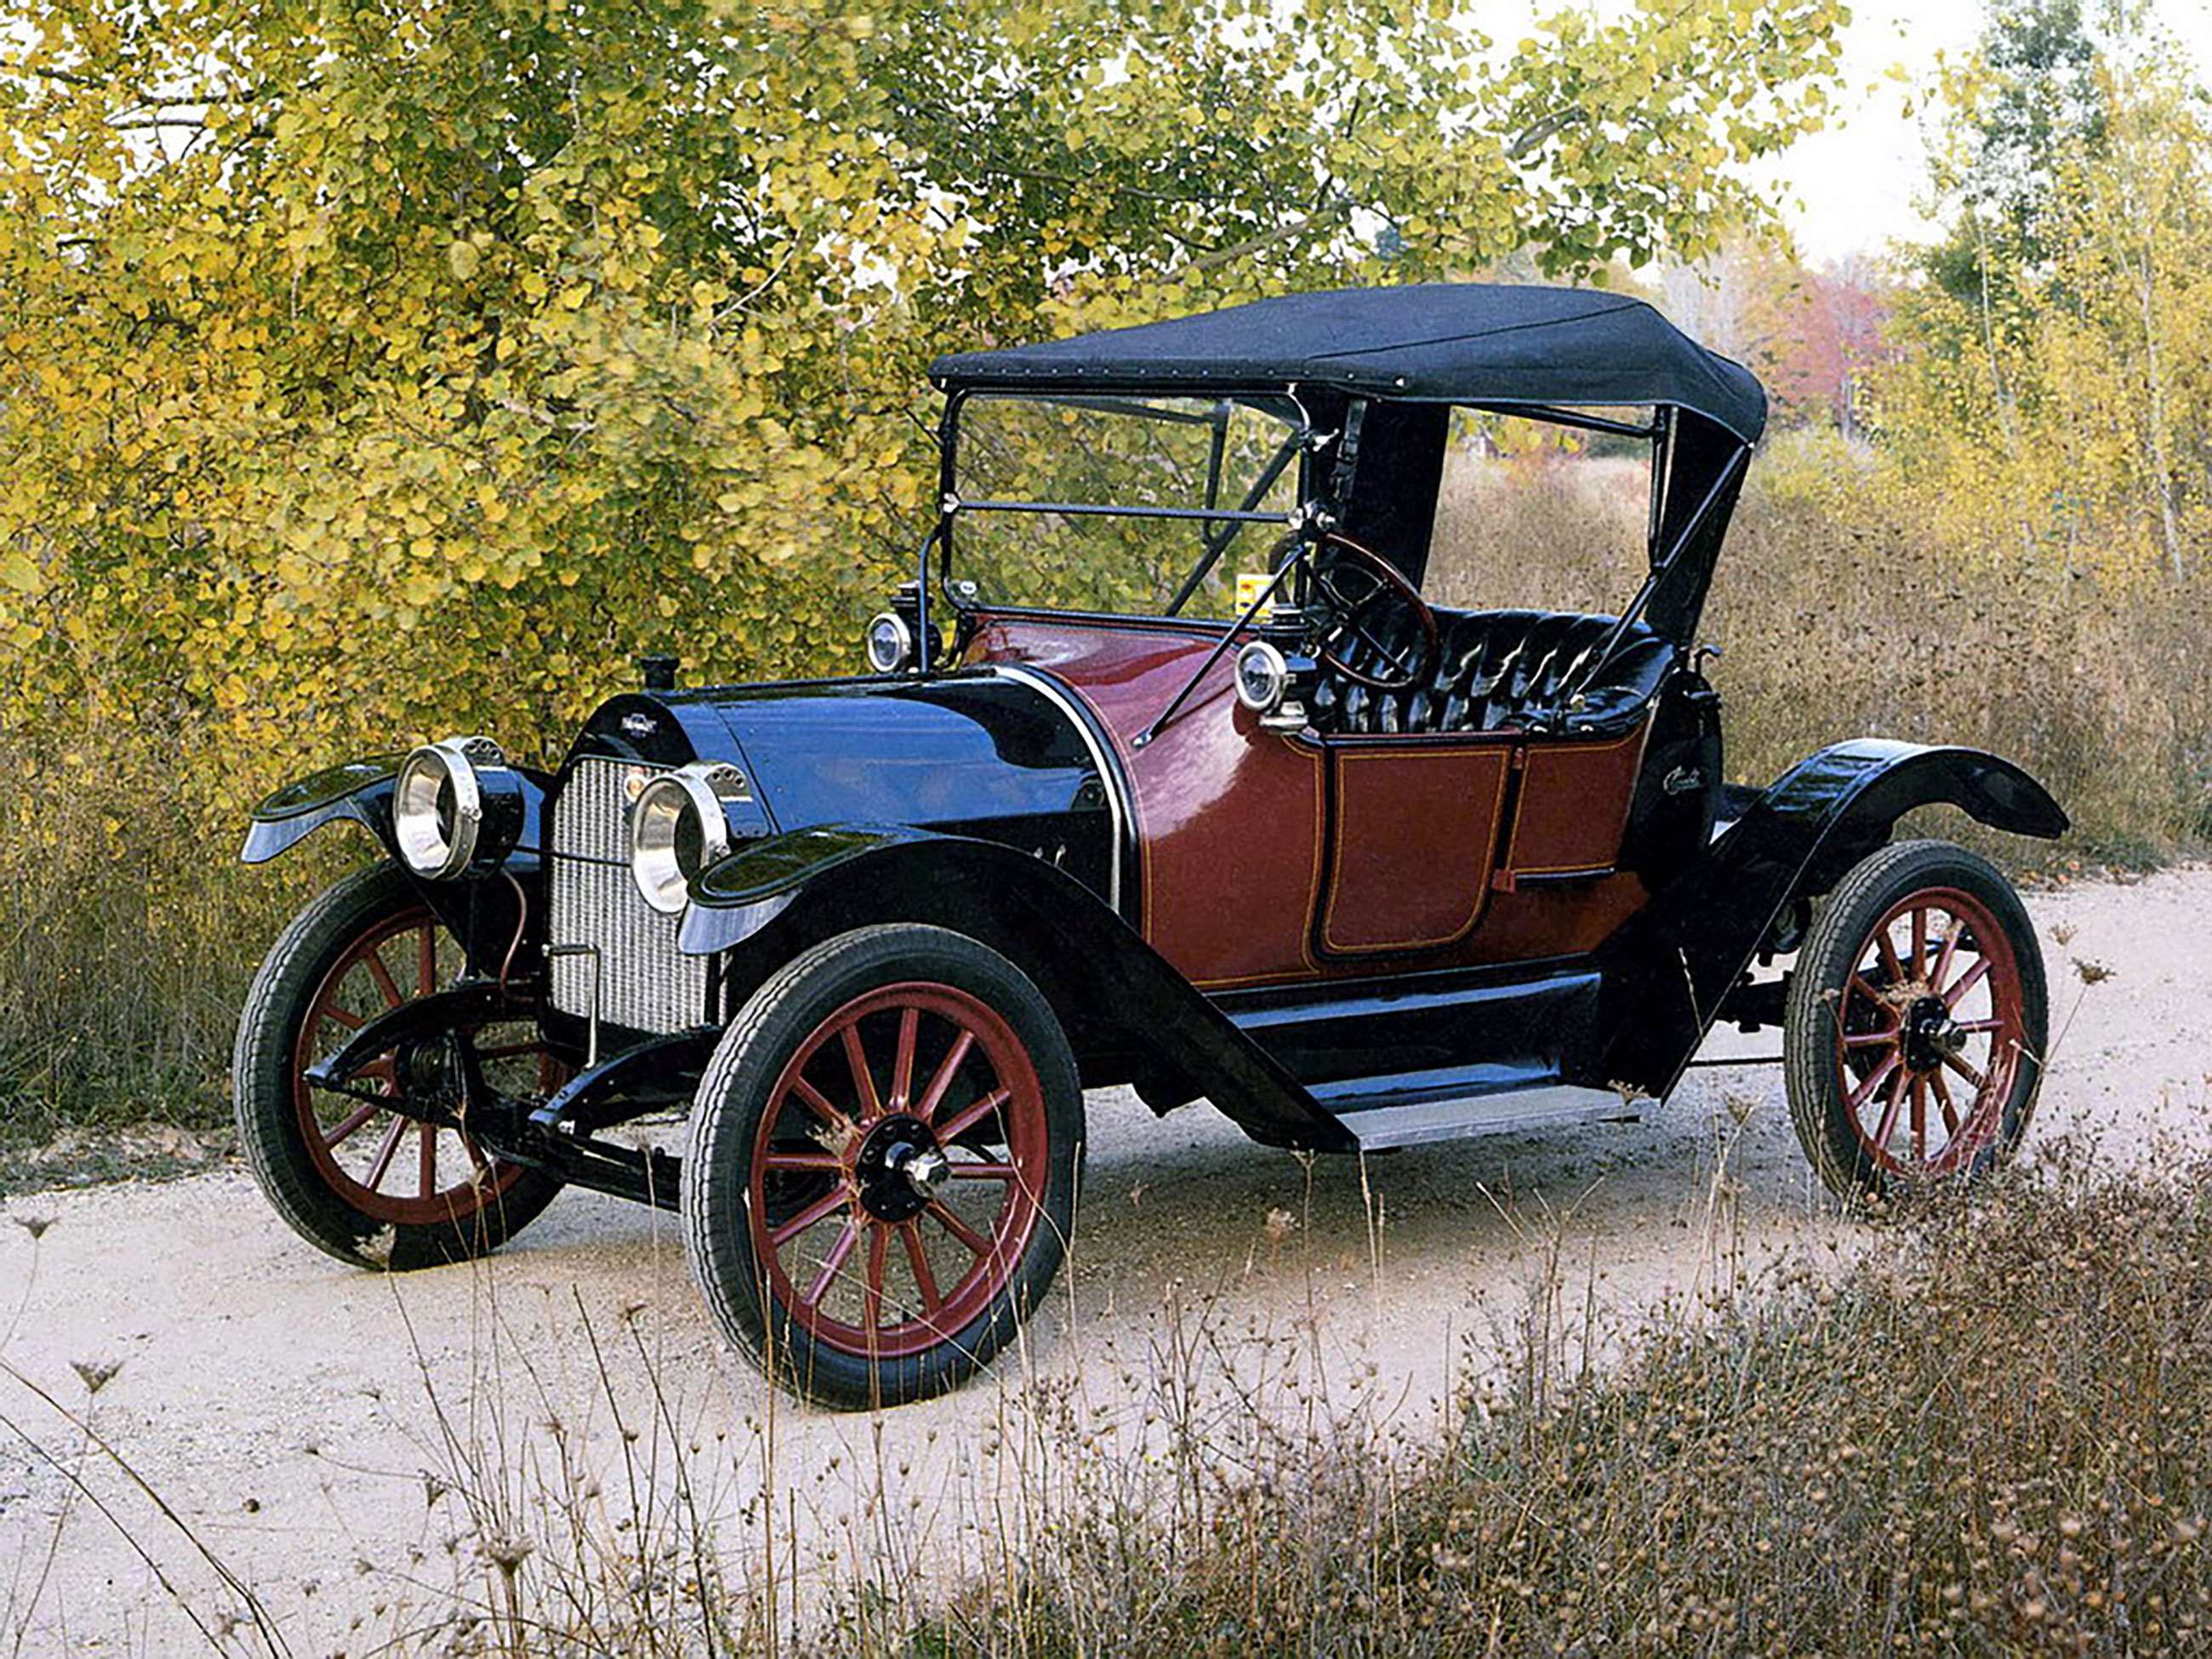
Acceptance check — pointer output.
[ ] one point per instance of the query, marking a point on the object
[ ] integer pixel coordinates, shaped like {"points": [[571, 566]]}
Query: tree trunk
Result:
{"points": [[2160, 460]]}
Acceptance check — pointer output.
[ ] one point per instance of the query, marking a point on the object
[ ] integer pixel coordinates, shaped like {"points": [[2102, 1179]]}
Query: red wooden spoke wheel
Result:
{"points": [[883, 1164], [1915, 1020], [898, 1169], [1930, 1033], [353, 1176], [375, 1158]]}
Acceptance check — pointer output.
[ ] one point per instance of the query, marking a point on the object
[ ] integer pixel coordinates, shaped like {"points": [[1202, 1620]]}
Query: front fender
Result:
{"points": [[1668, 971], [1097, 970], [494, 920], [744, 890], [360, 790]]}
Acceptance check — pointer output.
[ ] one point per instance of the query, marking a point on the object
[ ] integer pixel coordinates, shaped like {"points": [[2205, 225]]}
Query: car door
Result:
{"points": [[1413, 836], [1428, 831], [1571, 812]]}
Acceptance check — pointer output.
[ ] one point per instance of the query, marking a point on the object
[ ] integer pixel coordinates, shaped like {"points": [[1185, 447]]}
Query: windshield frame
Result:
{"points": [[1298, 446]]}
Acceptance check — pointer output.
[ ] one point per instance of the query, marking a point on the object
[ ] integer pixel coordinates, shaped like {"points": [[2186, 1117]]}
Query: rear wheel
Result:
{"points": [[1917, 1021], [353, 1177], [883, 1167]]}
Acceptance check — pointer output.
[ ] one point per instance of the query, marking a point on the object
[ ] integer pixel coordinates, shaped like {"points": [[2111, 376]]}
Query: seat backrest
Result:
{"points": [[1498, 670]]}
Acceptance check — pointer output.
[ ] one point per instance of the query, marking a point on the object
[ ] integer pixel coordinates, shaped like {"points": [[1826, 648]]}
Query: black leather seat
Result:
{"points": [[1503, 670]]}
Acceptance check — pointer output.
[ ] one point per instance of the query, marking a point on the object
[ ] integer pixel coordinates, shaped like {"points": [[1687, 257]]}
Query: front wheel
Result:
{"points": [[356, 1178], [1914, 1035], [883, 1164]]}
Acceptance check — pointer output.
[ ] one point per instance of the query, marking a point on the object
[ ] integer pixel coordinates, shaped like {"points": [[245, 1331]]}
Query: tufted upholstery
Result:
{"points": [[1498, 669]]}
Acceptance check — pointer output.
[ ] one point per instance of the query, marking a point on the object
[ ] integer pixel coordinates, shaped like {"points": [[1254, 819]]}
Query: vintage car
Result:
{"points": [[1263, 827]]}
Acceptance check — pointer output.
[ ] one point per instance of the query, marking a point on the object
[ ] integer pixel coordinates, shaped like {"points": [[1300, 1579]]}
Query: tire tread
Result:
{"points": [[724, 1108], [268, 1132]]}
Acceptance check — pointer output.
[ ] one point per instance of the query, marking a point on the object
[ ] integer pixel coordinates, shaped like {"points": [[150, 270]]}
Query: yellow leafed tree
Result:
{"points": [[371, 371]]}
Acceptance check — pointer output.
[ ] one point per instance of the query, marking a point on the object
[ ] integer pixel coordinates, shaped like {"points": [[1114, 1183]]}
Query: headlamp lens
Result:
{"points": [[437, 808], [678, 828]]}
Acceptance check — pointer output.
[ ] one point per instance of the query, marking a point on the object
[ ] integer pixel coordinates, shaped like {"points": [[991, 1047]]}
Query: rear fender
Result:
{"points": [[1667, 971], [757, 905]]}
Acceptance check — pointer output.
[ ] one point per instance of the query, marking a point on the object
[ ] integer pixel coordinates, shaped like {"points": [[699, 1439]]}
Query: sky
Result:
{"points": [[1853, 186]]}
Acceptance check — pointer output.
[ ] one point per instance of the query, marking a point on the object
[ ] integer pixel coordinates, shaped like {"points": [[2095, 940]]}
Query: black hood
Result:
{"points": [[987, 753]]}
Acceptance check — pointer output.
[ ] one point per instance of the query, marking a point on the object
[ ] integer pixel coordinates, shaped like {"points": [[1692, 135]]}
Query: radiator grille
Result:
{"points": [[645, 983]]}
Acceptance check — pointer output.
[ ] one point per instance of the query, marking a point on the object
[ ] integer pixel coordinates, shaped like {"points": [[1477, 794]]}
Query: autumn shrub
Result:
{"points": [[370, 373], [1842, 613]]}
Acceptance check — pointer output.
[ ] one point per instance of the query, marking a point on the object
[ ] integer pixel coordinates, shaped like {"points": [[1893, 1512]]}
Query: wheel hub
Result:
{"points": [[1931, 1036], [431, 1081], [899, 1168]]}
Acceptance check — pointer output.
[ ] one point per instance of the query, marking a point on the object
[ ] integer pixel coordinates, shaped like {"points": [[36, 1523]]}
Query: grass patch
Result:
{"points": [[128, 934], [1836, 618], [1987, 1435]]}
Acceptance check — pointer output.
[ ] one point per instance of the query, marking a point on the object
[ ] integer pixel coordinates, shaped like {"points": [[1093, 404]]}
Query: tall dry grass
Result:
{"points": [[1984, 1435], [1837, 617], [127, 934]]}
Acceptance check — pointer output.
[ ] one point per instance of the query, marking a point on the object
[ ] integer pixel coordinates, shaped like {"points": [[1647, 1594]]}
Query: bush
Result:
{"points": [[1841, 614]]}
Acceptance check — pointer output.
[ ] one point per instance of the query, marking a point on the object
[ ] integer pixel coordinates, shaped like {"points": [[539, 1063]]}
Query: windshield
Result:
{"points": [[1028, 467]]}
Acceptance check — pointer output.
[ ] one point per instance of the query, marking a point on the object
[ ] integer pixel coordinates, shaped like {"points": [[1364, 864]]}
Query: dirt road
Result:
{"points": [[305, 1422]]}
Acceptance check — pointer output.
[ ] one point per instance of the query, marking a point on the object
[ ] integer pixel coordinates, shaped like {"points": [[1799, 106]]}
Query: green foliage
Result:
{"points": [[2032, 97], [370, 371]]}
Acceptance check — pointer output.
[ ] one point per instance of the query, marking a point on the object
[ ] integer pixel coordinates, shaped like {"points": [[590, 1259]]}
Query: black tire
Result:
{"points": [[264, 1071], [786, 1028], [1857, 1008]]}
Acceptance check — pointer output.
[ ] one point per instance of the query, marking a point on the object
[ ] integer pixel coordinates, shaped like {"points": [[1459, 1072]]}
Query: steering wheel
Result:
{"points": [[1375, 581]]}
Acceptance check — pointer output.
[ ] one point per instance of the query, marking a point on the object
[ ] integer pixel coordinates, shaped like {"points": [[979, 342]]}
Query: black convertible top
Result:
{"points": [[1469, 342]]}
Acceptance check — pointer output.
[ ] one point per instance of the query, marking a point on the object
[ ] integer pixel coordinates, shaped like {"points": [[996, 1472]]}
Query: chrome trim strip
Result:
{"points": [[1108, 776]]}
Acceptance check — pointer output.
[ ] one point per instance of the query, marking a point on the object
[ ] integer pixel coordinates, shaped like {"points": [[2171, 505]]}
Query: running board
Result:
{"points": [[1390, 1122]]}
